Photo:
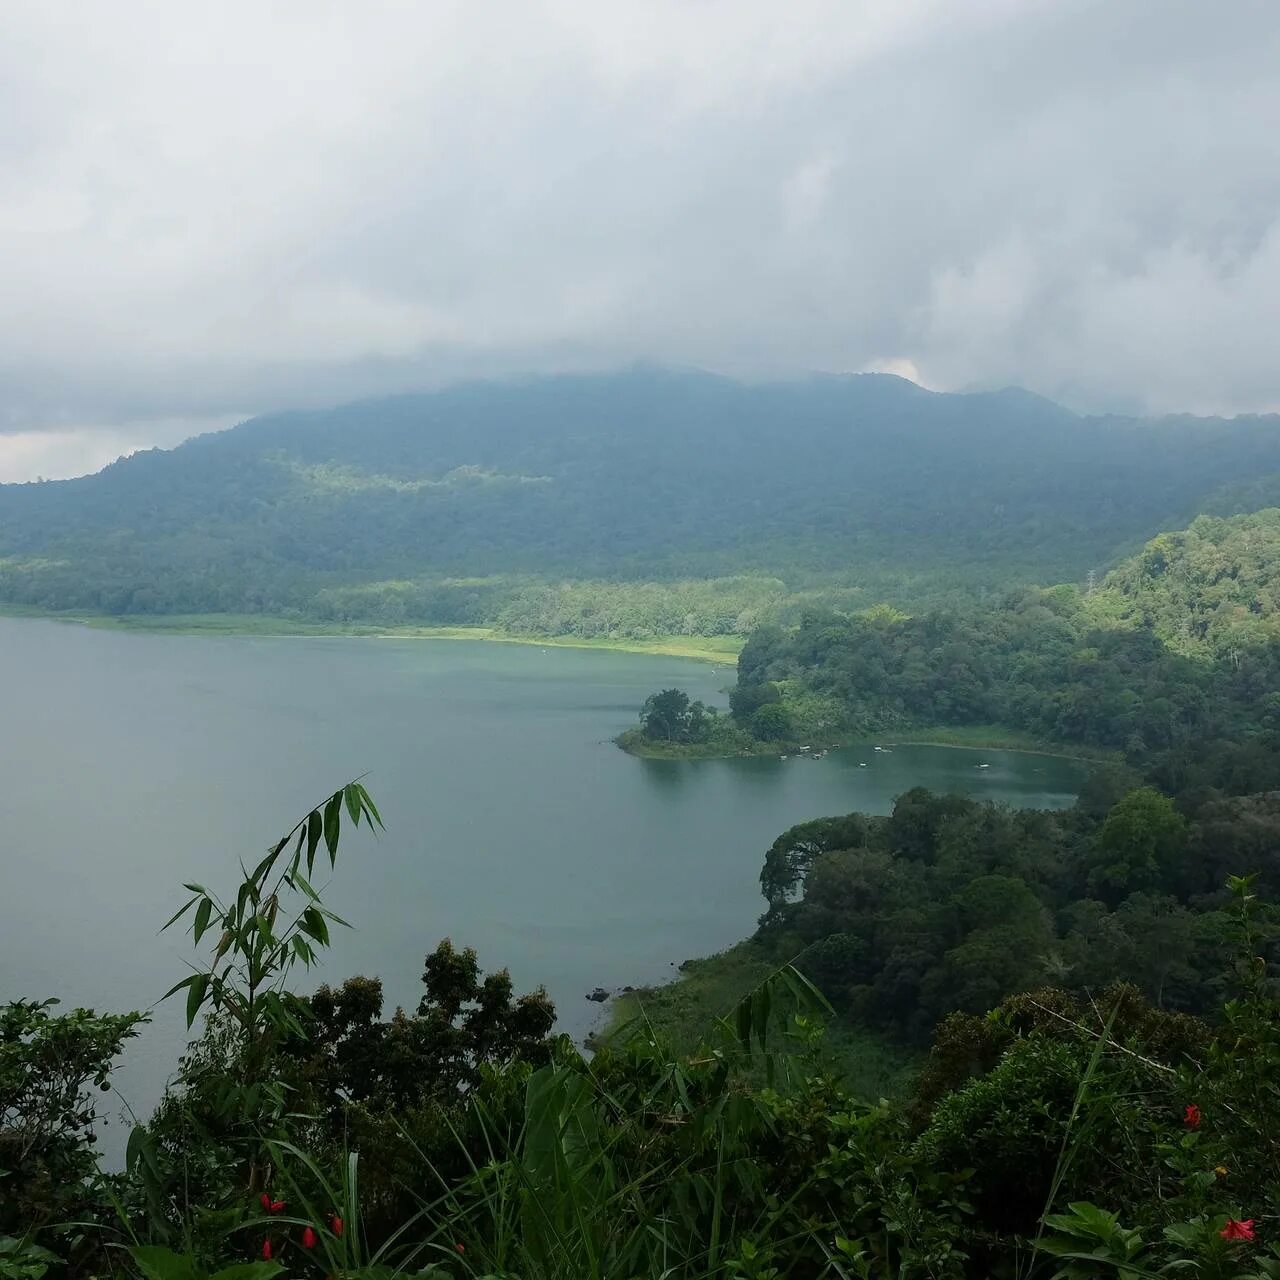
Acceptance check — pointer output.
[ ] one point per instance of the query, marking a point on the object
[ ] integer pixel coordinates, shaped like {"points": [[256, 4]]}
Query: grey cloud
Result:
{"points": [[211, 211]]}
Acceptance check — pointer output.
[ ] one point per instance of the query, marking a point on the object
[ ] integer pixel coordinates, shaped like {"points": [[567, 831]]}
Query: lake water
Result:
{"points": [[131, 762]]}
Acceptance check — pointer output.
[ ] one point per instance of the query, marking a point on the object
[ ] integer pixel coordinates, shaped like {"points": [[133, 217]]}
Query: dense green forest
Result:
{"points": [[1172, 665], [950, 904], [1177, 646], [628, 505]]}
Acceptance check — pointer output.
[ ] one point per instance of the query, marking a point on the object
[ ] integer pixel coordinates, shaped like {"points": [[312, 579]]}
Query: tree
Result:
{"points": [[464, 1020], [664, 715], [746, 699], [1140, 849], [47, 1064], [772, 723], [670, 716], [793, 853]]}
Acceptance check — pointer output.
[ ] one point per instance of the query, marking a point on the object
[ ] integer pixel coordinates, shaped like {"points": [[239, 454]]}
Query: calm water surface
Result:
{"points": [[130, 763]]}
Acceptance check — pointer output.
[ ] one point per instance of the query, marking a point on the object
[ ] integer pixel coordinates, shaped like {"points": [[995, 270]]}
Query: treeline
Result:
{"points": [[594, 610]]}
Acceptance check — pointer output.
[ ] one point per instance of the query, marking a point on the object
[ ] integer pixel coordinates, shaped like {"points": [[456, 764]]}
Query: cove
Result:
{"points": [[132, 762]]}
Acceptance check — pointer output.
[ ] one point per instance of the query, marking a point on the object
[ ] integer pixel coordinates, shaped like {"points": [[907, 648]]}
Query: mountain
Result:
{"points": [[488, 502]]}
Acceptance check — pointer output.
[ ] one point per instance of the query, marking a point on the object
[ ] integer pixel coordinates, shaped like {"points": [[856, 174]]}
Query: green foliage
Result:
{"points": [[867, 1063], [233, 1094], [48, 1117], [772, 723], [1140, 848], [1210, 589], [155, 1262], [463, 1021], [1174, 661], [674, 727], [22, 1260], [793, 853], [951, 903], [1033, 665], [670, 716]]}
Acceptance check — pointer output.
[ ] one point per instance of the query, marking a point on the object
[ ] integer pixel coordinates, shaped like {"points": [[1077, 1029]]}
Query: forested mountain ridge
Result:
{"points": [[474, 504]]}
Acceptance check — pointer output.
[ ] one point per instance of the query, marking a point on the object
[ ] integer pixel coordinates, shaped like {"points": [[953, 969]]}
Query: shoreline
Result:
{"points": [[686, 1008], [925, 738], [714, 649], [1032, 747]]}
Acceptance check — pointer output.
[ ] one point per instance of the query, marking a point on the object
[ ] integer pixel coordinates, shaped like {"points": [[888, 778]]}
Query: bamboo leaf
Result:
{"points": [[195, 996], [805, 992], [178, 986], [296, 861], [203, 912], [370, 808], [352, 798], [332, 824], [315, 827], [314, 926], [177, 915], [263, 867], [298, 881]]}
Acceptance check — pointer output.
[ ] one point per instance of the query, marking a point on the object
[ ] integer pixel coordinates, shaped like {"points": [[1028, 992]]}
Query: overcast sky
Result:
{"points": [[208, 210]]}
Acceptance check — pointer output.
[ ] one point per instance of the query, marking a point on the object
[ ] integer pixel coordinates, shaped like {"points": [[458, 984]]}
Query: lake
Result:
{"points": [[132, 762]]}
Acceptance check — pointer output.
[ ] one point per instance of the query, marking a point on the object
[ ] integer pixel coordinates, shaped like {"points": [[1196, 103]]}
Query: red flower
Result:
{"points": [[266, 1202], [1191, 1116], [266, 1250], [308, 1238], [1237, 1229], [461, 1248], [335, 1225], [277, 1206]]}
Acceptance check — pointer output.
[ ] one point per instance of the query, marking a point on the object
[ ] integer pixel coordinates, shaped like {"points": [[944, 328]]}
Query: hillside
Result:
{"points": [[480, 503], [1180, 643], [1212, 589]]}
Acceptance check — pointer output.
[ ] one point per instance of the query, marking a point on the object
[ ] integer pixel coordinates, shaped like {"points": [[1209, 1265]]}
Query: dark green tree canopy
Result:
{"points": [[670, 716], [464, 1020]]}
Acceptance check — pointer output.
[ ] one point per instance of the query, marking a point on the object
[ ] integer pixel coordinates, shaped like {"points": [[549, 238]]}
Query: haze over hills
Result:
{"points": [[476, 504]]}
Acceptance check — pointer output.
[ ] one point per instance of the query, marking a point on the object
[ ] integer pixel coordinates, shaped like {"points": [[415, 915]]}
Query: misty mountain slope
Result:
{"points": [[866, 481]]}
